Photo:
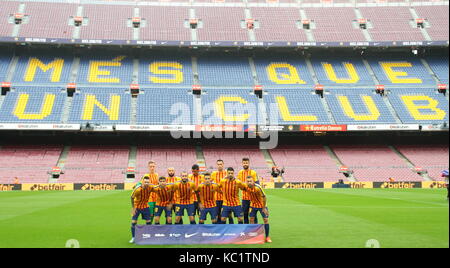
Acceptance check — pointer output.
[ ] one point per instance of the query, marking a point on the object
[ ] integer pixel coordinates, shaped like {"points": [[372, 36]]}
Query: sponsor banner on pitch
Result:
{"points": [[353, 185], [47, 187], [398, 185], [200, 234], [434, 185], [299, 185], [99, 186], [10, 187]]}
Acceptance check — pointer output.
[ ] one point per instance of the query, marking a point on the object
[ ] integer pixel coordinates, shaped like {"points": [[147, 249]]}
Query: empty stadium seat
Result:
{"points": [[166, 107], [306, 163], [101, 108], [295, 107], [283, 72], [420, 106], [33, 105], [164, 23], [105, 69], [439, 65], [214, 70], [432, 158], [8, 8], [375, 163], [166, 70], [177, 156], [43, 68], [108, 22], [230, 107], [95, 164], [5, 59], [400, 70], [341, 71], [358, 107], [28, 163], [41, 25]]}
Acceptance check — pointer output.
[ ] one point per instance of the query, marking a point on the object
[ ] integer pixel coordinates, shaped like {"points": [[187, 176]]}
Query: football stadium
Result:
{"points": [[252, 124]]}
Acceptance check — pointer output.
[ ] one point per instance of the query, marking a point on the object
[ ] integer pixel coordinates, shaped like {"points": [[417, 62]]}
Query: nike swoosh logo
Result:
{"points": [[189, 236]]}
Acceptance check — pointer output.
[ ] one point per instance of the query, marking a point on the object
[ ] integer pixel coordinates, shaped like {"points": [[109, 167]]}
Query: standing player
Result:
{"points": [[196, 178], [217, 176], [172, 179], [243, 175], [164, 193], [231, 203], [153, 176], [139, 203], [185, 190], [258, 203], [206, 194]]}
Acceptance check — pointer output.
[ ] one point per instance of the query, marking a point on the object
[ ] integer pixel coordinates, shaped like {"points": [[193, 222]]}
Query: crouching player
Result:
{"points": [[206, 194], [164, 197], [258, 203], [139, 203], [185, 191]]}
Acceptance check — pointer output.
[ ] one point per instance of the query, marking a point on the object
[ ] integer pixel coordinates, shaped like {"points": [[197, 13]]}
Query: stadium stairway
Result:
{"points": [[132, 160], [309, 33], [365, 32], [61, 162], [201, 161], [423, 30], [338, 161], [425, 176]]}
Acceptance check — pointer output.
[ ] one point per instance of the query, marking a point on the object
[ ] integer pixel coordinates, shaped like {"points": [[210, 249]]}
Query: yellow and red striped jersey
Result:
{"points": [[230, 190], [154, 179], [242, 176], [257, 195], [185, 192], [217, 176], [173, 180], [197, 180], [164, 195], [141, 196], [208, 194]]}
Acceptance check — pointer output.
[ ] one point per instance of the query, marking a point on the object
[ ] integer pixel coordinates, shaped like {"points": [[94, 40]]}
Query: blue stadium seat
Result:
{"points": [[101, 108], [349, 71], [439, 65], [225, 71], [361, 102], [420, 106], [240, 107], [167, 71], [5, 59], [33, 105], [410, 71], [43, 68], [283, 72], [159, 106], [299, 103], [105, 69]]}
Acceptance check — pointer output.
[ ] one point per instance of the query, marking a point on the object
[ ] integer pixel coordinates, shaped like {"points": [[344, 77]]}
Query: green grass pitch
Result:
{"points": [[299, 218]]}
